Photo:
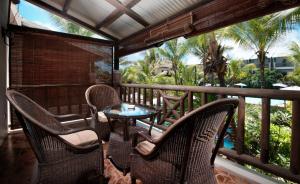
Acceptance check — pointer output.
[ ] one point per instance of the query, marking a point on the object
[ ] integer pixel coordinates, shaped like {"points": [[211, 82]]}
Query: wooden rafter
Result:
{"points": [[120, 10], [67, 5], [213, 15], [69, 17]]}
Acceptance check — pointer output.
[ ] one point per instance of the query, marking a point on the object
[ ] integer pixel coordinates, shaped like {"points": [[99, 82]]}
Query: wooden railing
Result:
{"points": [[144, 94], [57, 98]]}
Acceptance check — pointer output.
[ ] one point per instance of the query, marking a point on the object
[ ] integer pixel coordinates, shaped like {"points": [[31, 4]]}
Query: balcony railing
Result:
{"points": [[148, 94]]}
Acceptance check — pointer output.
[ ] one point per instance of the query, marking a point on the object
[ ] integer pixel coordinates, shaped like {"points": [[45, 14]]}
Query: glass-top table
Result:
{"points": [[127, 112]]}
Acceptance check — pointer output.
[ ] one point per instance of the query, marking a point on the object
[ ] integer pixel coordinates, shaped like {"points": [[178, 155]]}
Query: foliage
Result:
{"points": [[280, 133], [70, 27], [237, 72], [210, 52], [271, 77], [257, 34], [174, 51]]}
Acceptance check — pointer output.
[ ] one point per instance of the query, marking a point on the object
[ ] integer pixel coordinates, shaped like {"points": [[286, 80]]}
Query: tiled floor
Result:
{"points": [[17, 159]]}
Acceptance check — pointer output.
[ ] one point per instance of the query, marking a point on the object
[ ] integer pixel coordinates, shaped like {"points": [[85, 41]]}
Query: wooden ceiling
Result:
{"points": [[135, 25]]}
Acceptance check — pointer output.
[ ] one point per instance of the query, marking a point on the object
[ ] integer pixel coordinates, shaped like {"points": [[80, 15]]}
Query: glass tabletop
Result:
{"points": [[127, 110]]}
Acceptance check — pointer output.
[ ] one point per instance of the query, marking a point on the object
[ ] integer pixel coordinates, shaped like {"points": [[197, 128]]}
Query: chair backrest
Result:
{"points": [[170, 106], [102, 96], [37, 123], [189, 142]]}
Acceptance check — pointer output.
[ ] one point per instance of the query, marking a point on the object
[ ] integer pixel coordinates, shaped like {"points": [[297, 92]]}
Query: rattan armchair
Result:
{"points": [[98, 97], [184, 153], [64, 155]]}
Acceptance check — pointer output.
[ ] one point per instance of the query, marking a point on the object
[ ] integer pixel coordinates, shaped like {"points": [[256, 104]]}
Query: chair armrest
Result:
{"points": [[141, 134], [67, 117]]}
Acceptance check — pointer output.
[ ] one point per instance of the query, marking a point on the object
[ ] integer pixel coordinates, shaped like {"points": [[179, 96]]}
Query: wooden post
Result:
{"points": [[295, 148], [190, 101], [241, 126], [139, 96], [151, 98], [158, 99], [128, 95], [133, 96], [204, 98], [265, 131], [116, 58], [145, 97], [124, 94]]}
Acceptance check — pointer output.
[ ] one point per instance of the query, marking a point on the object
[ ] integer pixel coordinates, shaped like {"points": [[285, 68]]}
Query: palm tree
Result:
{"points": [[199, 47], [174, 51], [236, 72], [257, 34], [70, 27], [288, 18], [207, 48], [295, 56]]}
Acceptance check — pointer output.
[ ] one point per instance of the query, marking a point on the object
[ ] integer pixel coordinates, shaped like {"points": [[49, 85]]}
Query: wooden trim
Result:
{"points": [[240, 137], [123, 9], [69, 17], [210, 16], [67, 5], [42, 31], [249, 92], [295, 148]]}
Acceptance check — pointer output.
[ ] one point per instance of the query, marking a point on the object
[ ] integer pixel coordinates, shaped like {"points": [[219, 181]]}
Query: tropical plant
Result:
{"points": [[237, 71], [70, 27], [174, 51], [210, 52], [271, 77], [259, 35], [295, 55], [288, 19], [294, 76]]}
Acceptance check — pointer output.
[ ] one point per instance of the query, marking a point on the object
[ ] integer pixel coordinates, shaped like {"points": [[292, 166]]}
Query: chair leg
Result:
{"points": [[133, 180]]}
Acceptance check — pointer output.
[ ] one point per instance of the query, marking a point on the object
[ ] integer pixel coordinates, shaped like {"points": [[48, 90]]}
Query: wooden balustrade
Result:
{"points": [[238, 153]]}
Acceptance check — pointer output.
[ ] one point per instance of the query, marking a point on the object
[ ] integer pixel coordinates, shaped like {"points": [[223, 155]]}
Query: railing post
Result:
{"points": [[145, 96], [190, 101], [295, 148], [139, 96], [133, 96], [158, 99], [265, 131], [240, 126], [128, 95], [203, 98], [151, 97], [124, 94]]}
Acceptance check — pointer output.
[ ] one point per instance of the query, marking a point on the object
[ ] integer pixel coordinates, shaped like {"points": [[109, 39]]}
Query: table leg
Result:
{"points": [[151, 124]]}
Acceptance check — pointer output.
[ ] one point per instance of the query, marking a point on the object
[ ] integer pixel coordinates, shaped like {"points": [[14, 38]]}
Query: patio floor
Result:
{"points": [[17, 159]]}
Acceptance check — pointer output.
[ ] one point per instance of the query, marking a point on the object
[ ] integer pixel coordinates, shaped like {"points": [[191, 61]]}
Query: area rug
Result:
{"points": [[116, 177]]}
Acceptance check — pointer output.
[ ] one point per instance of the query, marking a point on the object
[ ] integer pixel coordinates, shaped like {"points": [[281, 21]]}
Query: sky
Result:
{"points": [[281, 48]]}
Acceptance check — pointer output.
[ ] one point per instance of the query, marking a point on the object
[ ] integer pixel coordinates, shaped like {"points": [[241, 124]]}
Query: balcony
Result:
{"points": [[55, 69]]}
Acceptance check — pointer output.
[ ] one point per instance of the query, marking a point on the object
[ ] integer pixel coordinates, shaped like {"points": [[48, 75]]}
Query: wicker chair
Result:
{"points": [[64, 155], [184, 153], [99, 97]]}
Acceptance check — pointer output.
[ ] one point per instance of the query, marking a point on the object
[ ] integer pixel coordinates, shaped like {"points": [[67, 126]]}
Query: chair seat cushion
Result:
{"points": [[145, 147], [85, 137], [102, 117]]}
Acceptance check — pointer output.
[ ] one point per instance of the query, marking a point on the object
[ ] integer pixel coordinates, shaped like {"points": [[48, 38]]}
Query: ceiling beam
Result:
{"points": [[67, 5], [120, 10], [58, 12], [205, 18]]}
